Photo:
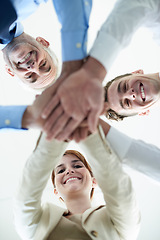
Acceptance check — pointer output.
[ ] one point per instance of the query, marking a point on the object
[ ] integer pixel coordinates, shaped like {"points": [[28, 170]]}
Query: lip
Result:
{"points": [[74, 177], [30, 54]]}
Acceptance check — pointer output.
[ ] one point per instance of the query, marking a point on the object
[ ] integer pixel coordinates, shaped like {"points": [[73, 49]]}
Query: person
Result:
{"points": [[74, 51], [132, 94], [74, 182]]}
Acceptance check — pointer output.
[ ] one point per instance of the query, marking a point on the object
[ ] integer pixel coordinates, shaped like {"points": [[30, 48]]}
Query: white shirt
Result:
{"points": [[136, 154], [116, 32]]}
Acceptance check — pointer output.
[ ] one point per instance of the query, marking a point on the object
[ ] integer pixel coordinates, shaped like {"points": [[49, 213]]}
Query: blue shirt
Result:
{"points": [[74, 18], [11, 116]]}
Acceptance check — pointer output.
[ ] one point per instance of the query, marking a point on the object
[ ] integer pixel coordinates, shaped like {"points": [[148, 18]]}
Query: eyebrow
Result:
{"points": [[119, 87], [121, 103], [73, 161]]}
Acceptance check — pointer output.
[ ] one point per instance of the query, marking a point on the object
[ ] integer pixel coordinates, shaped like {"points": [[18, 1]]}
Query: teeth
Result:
{"points": [[70, 179], [24, 59], [142, 93]]}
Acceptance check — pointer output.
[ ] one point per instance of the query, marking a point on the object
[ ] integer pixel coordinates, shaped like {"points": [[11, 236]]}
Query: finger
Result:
{"points": [[52, 119], [58, 127], [93, 117], [71, 125], [51, 105], [84, 133]]}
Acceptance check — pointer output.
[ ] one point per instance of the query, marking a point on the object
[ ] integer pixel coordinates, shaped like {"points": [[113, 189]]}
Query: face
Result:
{"points": [[29, 60], [72, 177], [134, 94]]}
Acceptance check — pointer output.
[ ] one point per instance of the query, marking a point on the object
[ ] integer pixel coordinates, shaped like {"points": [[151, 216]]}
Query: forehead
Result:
{"points": [[68, 158]]}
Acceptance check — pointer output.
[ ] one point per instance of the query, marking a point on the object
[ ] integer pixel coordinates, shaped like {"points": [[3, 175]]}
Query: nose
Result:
{"points": [[69, 170], [130, 94], [33, 65]]}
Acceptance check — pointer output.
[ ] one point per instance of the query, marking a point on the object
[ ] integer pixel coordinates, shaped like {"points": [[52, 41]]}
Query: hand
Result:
{"points": [[79, 96]]}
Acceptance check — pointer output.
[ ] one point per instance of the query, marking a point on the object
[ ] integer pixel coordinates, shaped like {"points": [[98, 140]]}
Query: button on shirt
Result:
{"points": [[11, 116]]}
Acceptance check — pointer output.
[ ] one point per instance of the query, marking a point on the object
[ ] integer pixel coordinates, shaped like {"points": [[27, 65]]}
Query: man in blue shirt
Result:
{"points": [[74, 18]]}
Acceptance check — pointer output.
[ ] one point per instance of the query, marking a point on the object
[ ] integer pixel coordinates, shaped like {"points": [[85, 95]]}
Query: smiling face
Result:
{"points": [[72, 177], [133, 94], [30, 61]]}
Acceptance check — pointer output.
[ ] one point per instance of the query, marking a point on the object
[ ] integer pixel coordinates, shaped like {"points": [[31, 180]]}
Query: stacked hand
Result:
{"points": [[76, 96]]}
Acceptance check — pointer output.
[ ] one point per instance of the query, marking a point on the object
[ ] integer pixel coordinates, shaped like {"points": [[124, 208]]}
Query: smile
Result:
{"points": [[71, 179], [143, 96], [25, 59]]}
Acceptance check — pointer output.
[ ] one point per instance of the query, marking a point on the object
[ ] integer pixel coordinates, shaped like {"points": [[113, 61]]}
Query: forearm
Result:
{"points": [[74, 18], [115, 184]]}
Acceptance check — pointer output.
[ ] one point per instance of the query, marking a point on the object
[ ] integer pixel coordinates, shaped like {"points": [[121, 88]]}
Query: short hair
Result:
{"points": [[82, 159], [110, 113]]}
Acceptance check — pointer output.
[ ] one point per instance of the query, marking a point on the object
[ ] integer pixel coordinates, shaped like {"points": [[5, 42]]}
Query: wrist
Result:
{"points": [[71, 66], [95, 68], [27, 119]]}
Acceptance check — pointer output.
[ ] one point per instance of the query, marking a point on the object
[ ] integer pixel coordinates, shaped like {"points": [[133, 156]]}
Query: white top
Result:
{"points": [[116, 32], [118, 220], [136, 154]]}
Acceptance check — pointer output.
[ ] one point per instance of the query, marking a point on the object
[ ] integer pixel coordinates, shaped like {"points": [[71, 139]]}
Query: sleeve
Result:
{"points": [[74, 18], [116, 32], [115, 184], [136, 154], [27, 202], [11, 116]]}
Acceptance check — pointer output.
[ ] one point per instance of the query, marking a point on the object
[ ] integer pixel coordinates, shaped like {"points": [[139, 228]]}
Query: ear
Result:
{"points": [[94, 182], [42, 41], [55, 191], [8, 70], [140, 71], [144, 113]]}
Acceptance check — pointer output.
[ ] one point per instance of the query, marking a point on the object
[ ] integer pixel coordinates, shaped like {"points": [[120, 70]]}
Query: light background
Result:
{"points": [[16, 146]]}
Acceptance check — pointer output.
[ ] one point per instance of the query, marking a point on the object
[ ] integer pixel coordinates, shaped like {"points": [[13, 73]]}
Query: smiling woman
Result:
{"points": [[73, 180], [31, 61]]}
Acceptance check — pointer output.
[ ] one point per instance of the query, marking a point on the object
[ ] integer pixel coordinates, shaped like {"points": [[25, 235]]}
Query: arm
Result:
{"points": [[11, 116], [116, 32], [74, 18], [136, 154], [116, 185], [27, 204], [78, 95]]}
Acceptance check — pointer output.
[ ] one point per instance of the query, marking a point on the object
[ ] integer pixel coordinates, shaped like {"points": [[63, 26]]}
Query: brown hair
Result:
{"points": [[82, 159]]}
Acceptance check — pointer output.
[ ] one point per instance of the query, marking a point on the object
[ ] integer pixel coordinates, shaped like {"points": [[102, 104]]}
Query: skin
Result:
{"points": [[28, 59], [76, 192], [125, 95], [84, 101]]}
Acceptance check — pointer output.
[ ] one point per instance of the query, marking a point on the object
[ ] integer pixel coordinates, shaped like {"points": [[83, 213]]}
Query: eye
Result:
{"points": [[124, 87], [77, 166], [28, 77], [44, 64], [127, 103], [61, 171]]}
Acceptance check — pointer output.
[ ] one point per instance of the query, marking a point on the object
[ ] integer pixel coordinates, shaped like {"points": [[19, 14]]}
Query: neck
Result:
{"points": [[78, 205]]}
